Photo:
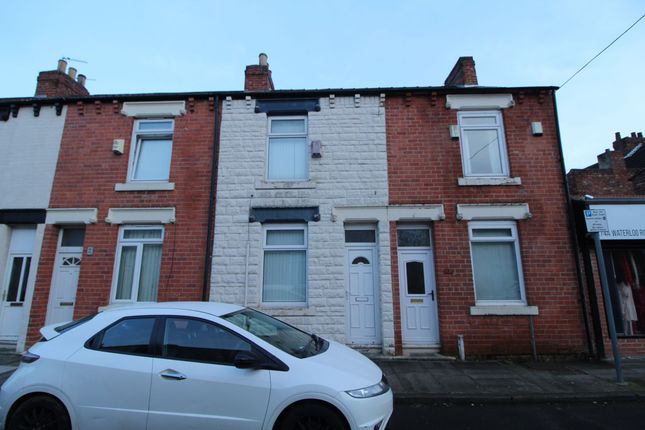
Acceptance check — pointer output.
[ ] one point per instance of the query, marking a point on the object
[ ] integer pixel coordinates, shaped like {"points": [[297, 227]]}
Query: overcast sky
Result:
{"points": [[165, 46]]}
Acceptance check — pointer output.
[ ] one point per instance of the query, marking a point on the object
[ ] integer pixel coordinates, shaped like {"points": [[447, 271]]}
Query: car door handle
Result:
{"points": [[172, 374]]}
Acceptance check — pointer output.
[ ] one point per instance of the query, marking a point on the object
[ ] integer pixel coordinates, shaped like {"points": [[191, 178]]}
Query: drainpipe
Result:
{"points": [[208, 259], [572, 230]]}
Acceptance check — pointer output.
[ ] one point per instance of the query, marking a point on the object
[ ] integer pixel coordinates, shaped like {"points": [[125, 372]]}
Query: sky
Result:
{"points": [[141, 46]]}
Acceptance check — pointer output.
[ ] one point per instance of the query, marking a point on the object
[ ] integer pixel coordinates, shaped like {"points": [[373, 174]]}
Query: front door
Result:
{"points": [[15, 283], [66, 273], [363, 310], [419, 323]]}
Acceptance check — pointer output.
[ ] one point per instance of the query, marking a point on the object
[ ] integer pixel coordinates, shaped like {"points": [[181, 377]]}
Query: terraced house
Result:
{"points": [[396, 220]]}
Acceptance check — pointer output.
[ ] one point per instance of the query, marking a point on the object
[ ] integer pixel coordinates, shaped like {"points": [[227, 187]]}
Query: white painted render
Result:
{"points": [[28, 155], [352, 172], [29, 148]]}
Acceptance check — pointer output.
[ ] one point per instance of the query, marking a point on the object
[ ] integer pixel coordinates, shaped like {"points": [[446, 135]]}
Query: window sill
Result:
{"points": [[488, 181], [281, 185], [504, 310], [145, 186]]}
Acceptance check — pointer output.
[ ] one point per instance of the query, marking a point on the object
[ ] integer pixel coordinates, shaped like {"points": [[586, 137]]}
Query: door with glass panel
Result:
{"points": [[66, 272], [362, 299], [419, 321], [15, 283]]}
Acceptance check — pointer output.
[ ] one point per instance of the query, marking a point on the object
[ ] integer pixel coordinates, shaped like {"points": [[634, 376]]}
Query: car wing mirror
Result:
{"points": [[246, 360]]}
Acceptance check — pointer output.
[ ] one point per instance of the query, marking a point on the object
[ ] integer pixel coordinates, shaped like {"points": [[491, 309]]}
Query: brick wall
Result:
{"points": [[86, 174], [423, 167], [58, 84]]}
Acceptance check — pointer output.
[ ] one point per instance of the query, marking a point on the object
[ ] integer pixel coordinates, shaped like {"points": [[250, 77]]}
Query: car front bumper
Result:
{"points": [[372, 413]]}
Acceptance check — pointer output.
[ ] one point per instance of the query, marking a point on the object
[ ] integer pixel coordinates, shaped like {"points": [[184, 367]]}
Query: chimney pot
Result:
{"points": [[257, 77], [618, 137], [633, 135], [72, 72], [640, 135], [81, 79], [62, 65]]}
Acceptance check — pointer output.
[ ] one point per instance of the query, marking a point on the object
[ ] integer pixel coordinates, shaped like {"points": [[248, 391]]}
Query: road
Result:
{"points": [[584, 415], [587, 415]]}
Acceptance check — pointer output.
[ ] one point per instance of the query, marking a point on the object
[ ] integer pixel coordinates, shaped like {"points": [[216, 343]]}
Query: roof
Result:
{"points": [[213, 308], [300, 93]]}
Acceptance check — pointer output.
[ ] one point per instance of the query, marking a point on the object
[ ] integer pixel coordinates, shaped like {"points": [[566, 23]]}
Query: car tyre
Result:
{"points": [[39, 412], [312, 417]]}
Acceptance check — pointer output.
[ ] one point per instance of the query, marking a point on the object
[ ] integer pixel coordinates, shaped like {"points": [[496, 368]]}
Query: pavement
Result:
{"points": [[499, 380], [438, 378]]}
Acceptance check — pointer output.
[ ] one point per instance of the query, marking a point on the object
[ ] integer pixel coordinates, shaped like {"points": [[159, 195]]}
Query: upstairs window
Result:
{"points": [[483, 149], [287, 149], [151, 150]]}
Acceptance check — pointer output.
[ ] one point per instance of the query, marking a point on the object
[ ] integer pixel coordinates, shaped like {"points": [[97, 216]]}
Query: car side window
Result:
{"points": [[199, 340], [128, 336]]}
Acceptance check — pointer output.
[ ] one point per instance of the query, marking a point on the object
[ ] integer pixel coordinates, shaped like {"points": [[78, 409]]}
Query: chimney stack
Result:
{"points": [[463, 73], [257, 77], [57, 83]]}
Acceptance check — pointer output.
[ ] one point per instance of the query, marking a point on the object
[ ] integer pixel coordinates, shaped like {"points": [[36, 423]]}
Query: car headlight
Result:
{"points": [[371, 391]]}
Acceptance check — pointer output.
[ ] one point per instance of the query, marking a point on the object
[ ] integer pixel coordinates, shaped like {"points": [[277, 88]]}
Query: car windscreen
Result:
{"points": [[279, 334]]}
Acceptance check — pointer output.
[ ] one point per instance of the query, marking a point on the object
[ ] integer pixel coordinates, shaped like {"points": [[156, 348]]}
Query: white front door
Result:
{"points": [[419, 322], [66, 272], [16, 279], [68, 268], [364, 320]]}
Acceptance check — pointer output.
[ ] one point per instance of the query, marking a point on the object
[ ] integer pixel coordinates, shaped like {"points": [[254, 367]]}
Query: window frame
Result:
{"points": [[514, 239], [501, 137], [139, 243], [161, 340], [271, 135], [23, 278], [94, 342], [139, 136], [304, 247], [425, 227]]}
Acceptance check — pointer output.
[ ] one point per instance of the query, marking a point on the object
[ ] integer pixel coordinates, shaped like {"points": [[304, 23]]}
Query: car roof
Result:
{"points": [[213, 308]]}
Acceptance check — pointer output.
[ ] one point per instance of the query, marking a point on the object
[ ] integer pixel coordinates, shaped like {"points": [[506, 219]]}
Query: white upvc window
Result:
{"points": [[496, 262], [483, 147], [151, 150], [137, 264], [284, 279], [287, 158]]}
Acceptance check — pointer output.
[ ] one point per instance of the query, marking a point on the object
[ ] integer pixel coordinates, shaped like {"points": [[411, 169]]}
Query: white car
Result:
{"points": [[191, 365]]}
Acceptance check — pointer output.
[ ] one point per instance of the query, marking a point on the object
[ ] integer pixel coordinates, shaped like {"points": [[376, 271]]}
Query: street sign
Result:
{"points": [[596, 220]]}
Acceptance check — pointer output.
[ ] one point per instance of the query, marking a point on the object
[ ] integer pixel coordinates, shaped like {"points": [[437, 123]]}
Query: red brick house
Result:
{"points": [[501, 253], [131, 200], [615, 185]]}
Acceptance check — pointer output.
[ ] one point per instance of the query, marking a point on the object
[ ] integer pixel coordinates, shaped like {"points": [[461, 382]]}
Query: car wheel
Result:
{"points": [[312, 417], [40, 412]]}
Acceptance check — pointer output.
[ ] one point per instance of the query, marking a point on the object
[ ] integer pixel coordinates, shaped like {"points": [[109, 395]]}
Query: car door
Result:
{"points": [[108, 380], [195, 384]]}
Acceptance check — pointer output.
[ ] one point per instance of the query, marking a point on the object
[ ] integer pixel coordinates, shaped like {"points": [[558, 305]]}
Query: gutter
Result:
{"points": [[208, 255], [274, 94]]}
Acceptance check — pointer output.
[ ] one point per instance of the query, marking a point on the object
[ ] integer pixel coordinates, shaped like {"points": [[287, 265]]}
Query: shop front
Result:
{"points": [[623, 247]]}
